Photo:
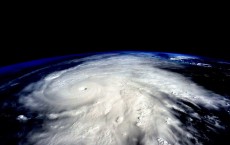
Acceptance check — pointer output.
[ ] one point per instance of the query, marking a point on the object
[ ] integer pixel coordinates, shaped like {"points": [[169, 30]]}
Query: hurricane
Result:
{"points": [[129, 99]]}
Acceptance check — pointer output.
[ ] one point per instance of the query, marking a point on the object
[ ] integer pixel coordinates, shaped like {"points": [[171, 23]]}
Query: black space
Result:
{"points": [[35, 48], [34, 37]]}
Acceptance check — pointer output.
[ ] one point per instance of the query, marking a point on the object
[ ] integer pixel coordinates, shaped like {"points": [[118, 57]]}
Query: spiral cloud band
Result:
{"points": [[118, 100]]}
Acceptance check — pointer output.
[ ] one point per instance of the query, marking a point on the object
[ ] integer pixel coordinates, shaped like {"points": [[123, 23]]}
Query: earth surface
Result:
{"points": [[117, 98]]}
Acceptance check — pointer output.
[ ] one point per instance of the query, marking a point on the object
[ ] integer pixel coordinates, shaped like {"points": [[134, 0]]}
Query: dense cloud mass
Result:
{"points": [[117, 100]]}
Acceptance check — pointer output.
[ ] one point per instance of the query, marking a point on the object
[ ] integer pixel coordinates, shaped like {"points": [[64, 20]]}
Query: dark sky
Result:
{"points": [[29, 48], [32, 33], [33, 39]]}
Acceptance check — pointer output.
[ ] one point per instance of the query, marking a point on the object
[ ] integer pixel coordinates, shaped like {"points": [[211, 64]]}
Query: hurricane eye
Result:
{"points": [[83, 88]]}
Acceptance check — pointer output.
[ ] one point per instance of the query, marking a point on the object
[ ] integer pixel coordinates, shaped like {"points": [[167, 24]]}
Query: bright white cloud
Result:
{"points": [[117, 100]]}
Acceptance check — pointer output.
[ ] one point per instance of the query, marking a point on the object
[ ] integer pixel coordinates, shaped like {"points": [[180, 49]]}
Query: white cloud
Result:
{"points": [[116, 100]]}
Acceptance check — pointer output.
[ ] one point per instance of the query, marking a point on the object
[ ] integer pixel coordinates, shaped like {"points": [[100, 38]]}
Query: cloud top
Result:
{"points": [[118, 100]]}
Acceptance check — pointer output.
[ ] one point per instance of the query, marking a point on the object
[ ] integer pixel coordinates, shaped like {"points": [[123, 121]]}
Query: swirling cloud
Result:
{"points": [[117, 99]]}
